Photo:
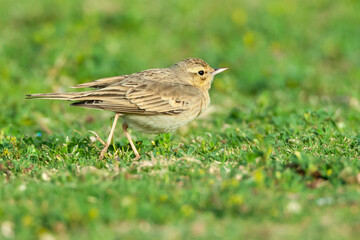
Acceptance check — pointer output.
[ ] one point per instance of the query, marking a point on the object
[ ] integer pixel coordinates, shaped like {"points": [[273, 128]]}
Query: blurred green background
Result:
{"points": [[295, 53], [275, 157]]}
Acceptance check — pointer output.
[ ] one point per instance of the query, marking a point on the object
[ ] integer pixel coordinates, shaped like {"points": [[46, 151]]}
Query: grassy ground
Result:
{"points": [[275, 157]]}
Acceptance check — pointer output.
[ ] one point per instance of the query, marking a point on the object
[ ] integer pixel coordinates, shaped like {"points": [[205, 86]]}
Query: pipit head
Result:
{"points": [[196, 72]]}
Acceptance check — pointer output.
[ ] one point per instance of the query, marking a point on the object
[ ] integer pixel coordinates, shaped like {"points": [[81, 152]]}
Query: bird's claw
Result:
{"points": [[97, 137]]}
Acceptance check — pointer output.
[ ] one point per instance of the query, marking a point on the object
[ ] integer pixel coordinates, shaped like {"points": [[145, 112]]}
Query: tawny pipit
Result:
{"points": [[152, 101]]}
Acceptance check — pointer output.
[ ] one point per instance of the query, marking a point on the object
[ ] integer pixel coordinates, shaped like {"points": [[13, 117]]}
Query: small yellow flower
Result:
{"points": [[93, 213], [236, 200], [26, 220], [163, 198], [234, 182], [239, 17], [249, 39], [6, 152], [259, 177], [187, 210]]}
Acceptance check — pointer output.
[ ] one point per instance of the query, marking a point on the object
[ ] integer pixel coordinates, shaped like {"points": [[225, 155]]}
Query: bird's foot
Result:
{"points": [[137, 157], [102, 154], [98, 138]]}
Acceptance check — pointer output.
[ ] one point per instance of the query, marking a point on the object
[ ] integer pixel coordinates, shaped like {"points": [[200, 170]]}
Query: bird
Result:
{"points": [[158, 100]]}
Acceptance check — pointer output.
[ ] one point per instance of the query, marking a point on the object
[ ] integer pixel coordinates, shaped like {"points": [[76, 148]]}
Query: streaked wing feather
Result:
{"points": [[102, 83], [164, 97], [143, 97], [159, 73]]}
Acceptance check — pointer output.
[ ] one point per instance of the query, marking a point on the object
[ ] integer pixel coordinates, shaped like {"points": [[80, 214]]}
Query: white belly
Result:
{"points": [[157, 123]]}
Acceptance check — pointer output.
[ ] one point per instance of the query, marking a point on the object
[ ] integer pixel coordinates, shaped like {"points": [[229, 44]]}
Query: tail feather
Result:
{"points": [[59, 96]]}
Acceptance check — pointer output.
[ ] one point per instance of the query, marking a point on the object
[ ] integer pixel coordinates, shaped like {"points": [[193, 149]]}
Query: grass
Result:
{"points": [[275, 157]]}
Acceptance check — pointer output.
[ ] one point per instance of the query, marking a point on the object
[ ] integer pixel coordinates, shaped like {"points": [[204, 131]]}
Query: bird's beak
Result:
{"points": [[218, 70]]}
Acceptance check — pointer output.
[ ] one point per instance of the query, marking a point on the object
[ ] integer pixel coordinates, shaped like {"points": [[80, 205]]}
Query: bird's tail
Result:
{"points": [[59, 96]]}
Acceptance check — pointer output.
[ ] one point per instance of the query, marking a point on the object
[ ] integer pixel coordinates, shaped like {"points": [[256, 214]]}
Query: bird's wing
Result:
{"points": [[102, 83], [159, 73], [141, 96]]}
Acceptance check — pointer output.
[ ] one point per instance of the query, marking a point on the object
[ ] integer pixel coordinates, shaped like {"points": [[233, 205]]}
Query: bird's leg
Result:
{"points": [[124, 127], [107, 144]]}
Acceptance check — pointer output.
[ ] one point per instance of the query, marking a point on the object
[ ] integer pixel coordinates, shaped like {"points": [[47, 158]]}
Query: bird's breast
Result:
{"points": [[159, 123]]}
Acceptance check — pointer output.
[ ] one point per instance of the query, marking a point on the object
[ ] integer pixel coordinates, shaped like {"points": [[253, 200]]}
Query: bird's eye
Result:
{"points": [[201, 72]]}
